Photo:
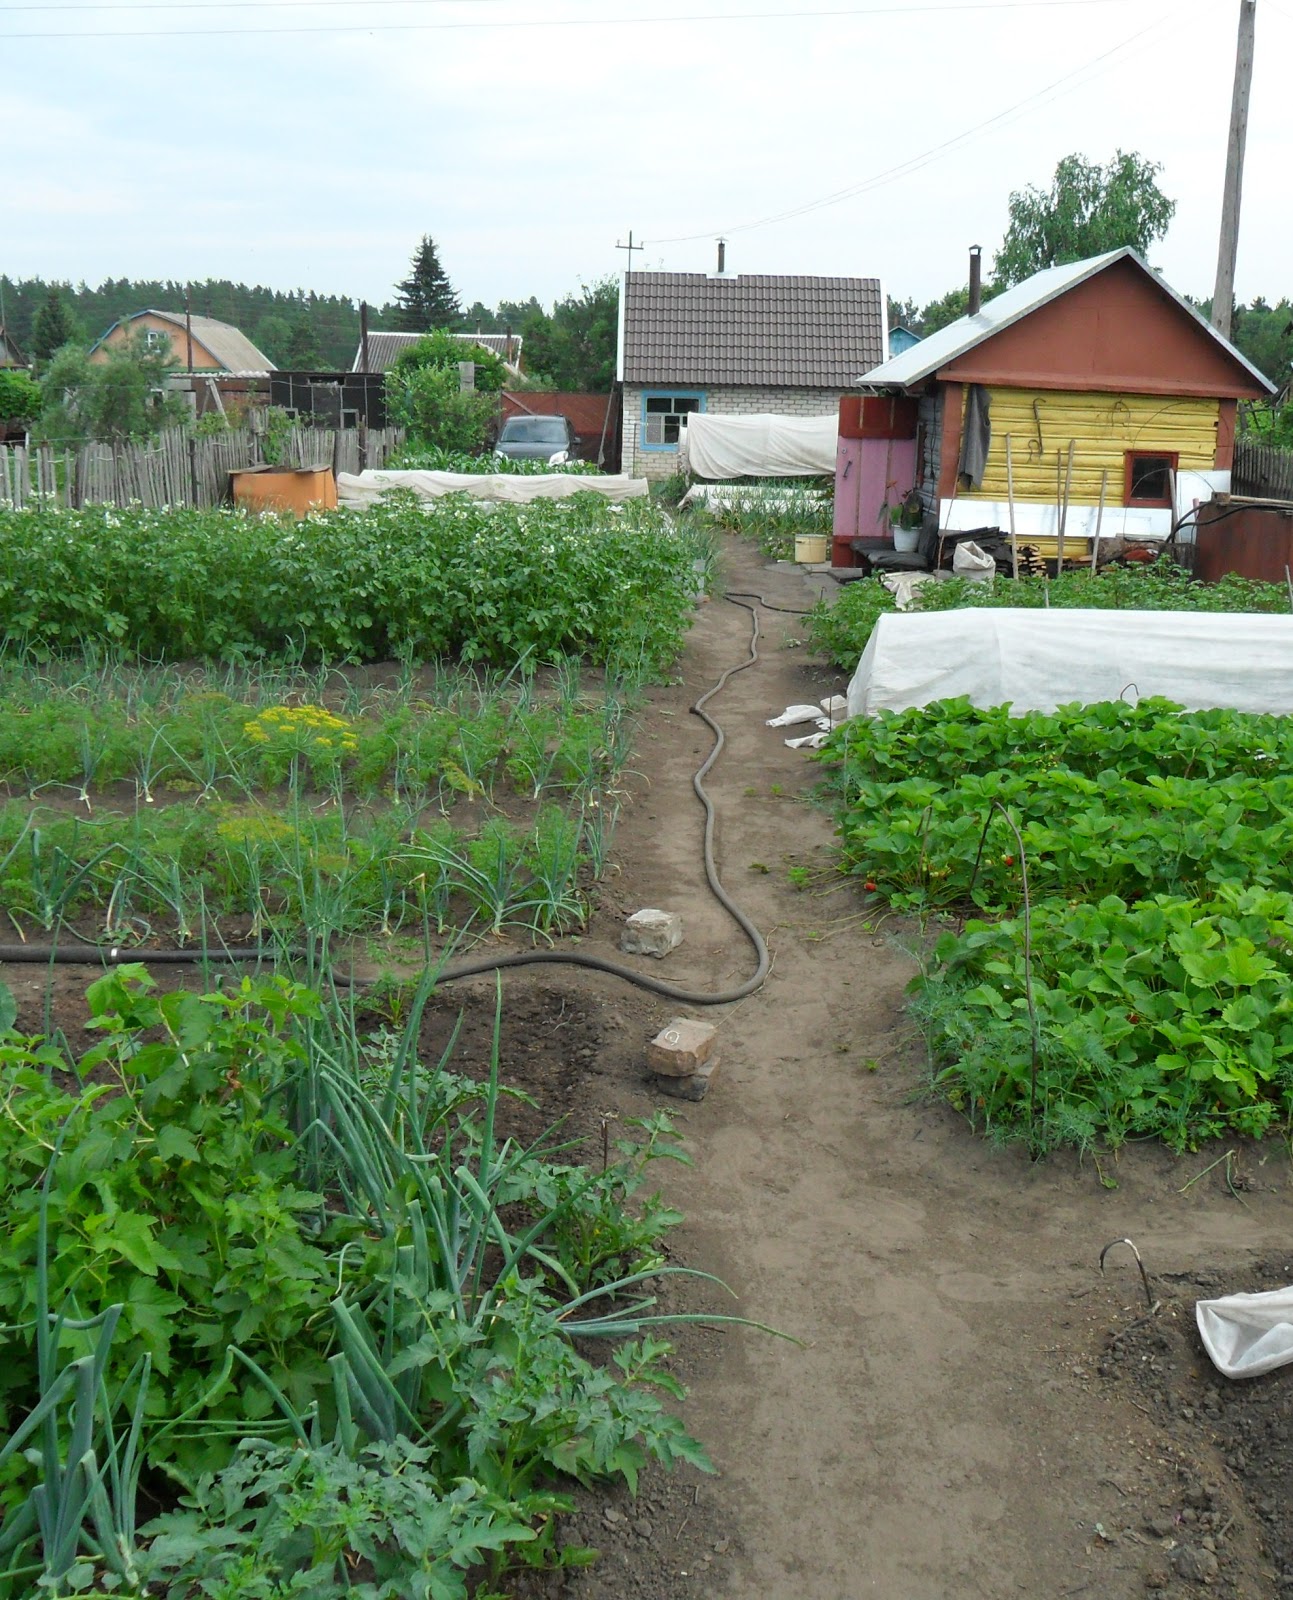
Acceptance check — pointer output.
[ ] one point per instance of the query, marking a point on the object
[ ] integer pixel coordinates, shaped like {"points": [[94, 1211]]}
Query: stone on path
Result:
{"points": [[651, 933]]}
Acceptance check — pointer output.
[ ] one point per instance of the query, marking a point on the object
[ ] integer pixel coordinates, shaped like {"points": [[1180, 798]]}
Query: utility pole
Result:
{"points": [[1223, 296], [630, 247]]}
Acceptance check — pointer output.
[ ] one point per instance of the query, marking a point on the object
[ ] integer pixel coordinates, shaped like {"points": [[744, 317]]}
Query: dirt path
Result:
{"points": [[944, 1429]]}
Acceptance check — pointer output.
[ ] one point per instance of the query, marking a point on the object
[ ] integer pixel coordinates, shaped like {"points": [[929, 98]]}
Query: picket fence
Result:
{"points": [[177, 468], [1262, 470]]}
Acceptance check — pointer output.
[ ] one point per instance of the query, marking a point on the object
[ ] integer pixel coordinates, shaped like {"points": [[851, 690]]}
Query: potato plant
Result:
{"points": [[405, 580]]}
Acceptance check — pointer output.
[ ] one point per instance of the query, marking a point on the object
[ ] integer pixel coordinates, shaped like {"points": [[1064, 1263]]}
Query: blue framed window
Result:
{"points": [[663, 413]]}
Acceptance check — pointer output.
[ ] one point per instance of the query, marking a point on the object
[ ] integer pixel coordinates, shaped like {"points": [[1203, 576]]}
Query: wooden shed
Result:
{"points": [[1089, 396]]}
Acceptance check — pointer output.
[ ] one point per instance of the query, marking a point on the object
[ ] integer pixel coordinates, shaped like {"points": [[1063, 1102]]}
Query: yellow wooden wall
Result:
{"points": [[1104, 426]]}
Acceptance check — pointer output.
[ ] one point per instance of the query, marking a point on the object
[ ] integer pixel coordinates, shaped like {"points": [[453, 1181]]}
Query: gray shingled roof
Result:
{"points": [[690, 328], [231, 348], [384, 347]]}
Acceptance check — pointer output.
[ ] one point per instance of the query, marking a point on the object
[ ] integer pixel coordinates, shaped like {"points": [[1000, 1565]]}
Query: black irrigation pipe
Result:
{"points": [[115, 955]]}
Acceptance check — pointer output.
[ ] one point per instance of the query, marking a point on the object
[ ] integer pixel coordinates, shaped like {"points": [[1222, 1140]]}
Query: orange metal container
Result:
{"points": [[296, 489]]}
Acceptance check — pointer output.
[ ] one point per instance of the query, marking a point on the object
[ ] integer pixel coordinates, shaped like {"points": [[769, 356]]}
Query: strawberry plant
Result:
{"points": [[1145, 993]]}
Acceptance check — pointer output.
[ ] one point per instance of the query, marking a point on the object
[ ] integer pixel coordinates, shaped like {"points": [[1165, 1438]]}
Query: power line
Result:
{"points": [[547, 22], [925, 157]]}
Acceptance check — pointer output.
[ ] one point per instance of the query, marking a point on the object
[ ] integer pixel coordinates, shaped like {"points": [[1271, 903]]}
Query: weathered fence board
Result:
{"points": [[1262, 470], [176, 468]]}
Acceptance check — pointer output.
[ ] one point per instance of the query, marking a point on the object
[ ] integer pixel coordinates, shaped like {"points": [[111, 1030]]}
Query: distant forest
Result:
{"points": [[324, 328]]}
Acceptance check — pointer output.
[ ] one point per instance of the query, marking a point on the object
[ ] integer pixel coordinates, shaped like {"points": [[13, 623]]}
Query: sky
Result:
{"points": [[298, 143]]}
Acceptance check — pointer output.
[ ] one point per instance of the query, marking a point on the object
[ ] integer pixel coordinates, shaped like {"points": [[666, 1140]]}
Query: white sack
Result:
{"points": [[1037, 660], [793, 714], [1248, 1334], [764, 446], [972, 563], [357, 491]]}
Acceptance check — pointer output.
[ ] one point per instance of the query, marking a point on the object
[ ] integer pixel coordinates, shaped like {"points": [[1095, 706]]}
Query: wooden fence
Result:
{"points": [[1262, 471], [177, 468]]}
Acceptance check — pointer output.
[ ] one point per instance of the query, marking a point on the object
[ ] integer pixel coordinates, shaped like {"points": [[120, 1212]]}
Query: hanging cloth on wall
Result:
{"points": [[976, 435]]}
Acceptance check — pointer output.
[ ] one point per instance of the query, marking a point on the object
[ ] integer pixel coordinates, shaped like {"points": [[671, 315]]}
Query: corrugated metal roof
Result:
{"points": [[939, 349], [228, 345], [383, 348], [690, 328]]}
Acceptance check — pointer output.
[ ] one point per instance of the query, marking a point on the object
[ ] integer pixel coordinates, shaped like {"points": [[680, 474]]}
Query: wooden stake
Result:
{"points": [[1064, 508], [1010, 501], [1099, 519]]}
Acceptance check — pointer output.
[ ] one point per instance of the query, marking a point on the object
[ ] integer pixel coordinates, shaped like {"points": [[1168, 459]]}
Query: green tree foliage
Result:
{"points": [[19, 397], [1087, 210], [903, 314], [53, 327], [435, 411], [443, 351], [425, 299], [1265, 335], [423, 393], [122, 396], [302, 350], [271, 335], [574, 348]]}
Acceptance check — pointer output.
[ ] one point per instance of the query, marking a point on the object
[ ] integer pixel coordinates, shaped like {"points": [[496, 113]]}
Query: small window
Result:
{"points": [[155, 339], [1149, 477], [664, 415]]}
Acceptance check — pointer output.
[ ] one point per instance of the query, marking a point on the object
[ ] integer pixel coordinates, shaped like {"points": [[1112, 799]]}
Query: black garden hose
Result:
{"points": [[116, 955]]}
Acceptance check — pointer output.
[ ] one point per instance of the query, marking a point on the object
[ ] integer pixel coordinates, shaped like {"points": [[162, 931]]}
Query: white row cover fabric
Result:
{"points": [[1247, 1334], [765, 446], [358, 490], [1037, 660]]}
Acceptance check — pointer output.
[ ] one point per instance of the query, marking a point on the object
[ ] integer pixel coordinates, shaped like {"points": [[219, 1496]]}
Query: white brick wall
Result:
{"points": [[724, 400]]}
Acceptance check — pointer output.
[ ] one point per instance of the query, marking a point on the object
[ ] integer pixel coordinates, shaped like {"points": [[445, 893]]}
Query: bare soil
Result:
{"points": [[971, 1408]]}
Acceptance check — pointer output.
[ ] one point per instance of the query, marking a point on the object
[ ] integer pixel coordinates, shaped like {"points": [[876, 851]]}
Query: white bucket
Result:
{"points": [[811, 548], [905, 539]]}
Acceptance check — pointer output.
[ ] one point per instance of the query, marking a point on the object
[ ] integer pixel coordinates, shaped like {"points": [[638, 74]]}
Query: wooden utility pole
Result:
{"points": [[1223, 296], [630, 247]]}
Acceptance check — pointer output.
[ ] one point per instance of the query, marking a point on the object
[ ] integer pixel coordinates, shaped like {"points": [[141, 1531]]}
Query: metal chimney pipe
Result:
{"points": [[363, 336], [722, 257], [976, 279]]}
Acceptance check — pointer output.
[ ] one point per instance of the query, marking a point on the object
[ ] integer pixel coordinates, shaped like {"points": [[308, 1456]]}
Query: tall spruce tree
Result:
{"points": [[426, 299], [54, 326]]}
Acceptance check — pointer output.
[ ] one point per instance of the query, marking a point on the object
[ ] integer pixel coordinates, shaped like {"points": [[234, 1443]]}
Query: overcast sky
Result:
{"points": [[301, 144]]}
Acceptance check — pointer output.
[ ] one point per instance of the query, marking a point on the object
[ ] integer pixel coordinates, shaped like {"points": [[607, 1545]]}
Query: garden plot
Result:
{"points": [[256, 1207], [197, 806], [1135, 866]]}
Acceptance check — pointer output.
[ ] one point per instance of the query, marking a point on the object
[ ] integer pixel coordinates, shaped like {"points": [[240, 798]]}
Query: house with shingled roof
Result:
{"points": [[745, 344], [217, 347]]}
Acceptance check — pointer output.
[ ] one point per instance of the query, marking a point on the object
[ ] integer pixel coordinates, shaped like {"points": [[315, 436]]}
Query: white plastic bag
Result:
{"points": [[1247, 1334], [973, 564]]}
